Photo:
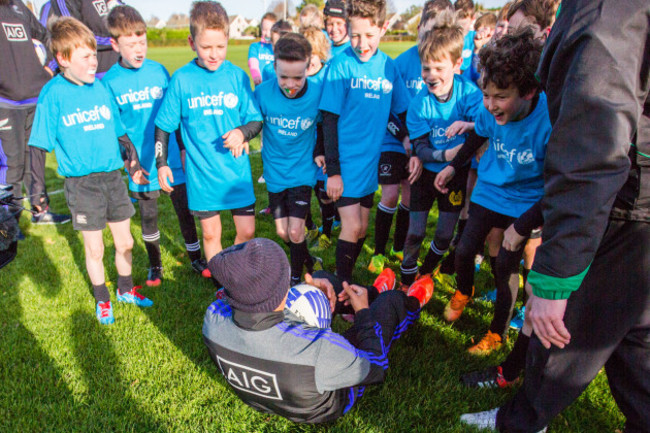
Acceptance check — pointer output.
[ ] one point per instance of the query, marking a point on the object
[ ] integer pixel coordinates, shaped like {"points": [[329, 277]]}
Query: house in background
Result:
{"points": [[156, 23], [178, 21]]}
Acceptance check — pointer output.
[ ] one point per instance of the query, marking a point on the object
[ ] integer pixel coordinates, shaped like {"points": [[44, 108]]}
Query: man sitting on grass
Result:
{"points": [[278, 364]]}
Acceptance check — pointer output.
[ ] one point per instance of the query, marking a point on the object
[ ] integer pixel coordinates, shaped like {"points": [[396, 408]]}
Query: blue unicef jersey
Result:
{"points": [[289, 135], [338, 49], [206, 105], [472, 72], [262, 52], [79, 123], [510, 172], [427, 115], [362, 94], [138, 94], [410, 69], [268, 73], [468, 50], [318, 78]]}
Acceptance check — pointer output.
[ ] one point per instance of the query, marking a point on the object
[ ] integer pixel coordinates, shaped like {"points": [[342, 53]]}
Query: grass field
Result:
{"points": [[60, 371]]}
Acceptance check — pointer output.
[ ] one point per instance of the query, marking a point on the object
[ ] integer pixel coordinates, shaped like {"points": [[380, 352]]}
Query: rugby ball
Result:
{"points": [[40, 51], [310, 305]]}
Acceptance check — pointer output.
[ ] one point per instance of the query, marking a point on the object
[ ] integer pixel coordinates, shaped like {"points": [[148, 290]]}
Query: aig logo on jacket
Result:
{"points": [[14, 32], [250, 380]]}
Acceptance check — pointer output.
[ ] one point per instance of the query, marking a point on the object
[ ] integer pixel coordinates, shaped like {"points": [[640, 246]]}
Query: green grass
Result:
{"points": [[60, 371]]}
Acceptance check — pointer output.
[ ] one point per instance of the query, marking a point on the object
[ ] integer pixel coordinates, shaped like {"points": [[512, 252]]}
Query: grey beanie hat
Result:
{"points": [[256, 275], [335, 8]]}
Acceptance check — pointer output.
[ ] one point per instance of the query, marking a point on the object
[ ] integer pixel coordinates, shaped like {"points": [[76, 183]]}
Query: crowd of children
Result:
{"points": [[459, 120]]}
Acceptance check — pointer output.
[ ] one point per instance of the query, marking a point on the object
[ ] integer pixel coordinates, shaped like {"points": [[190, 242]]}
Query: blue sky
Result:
{"points": [[249, 8]]}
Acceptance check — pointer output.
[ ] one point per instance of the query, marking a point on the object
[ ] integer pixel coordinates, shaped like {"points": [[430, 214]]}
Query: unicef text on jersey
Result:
{"points": [[366, 83], [138, 98], [286, 125], [229, 100], [88, 116]]}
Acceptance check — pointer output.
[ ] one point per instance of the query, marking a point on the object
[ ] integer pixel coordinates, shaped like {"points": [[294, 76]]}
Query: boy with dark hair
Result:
{"points": [[397, 165], [138, 86], [278, 30], [93, 14], [76, 117], [336, 25], [431, 120], [210, 99], [260, 53], [307, 374], [465, 12], [362, 87], [515, 119], [289, 105], [537, 14], [22, 76]]}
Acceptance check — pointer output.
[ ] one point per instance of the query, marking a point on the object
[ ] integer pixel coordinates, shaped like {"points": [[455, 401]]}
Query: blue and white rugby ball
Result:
{"points": [[310, 305]]}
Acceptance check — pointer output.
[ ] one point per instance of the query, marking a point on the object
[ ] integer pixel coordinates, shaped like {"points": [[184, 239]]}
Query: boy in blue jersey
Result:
{"points": [[361, 88], [397, 163], [449, 98], [465, 12], [260, 53], [289, 106], [138, 86], [210, 99], [515, 118], [336, 26], [76, 117], [278, 30]]}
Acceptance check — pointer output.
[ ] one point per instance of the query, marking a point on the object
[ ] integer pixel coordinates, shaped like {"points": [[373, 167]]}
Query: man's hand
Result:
{"points": [[165, 178], [443, 178], [320, 161], [415, 169], [325, 286], [358, 296], [335, 187], [547, 317], [512, 241], [458, 128], [233, 140]]}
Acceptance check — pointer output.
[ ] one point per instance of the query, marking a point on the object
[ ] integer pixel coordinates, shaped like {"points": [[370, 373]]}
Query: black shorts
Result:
{"points": [[424, 192], [145, 195], [292, 202], [96, 199], [365, 201], [242, 211], [393, 168]]}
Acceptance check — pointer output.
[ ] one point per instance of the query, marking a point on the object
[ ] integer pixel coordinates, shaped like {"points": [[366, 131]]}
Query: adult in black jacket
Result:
{"points": [[591, 277]]}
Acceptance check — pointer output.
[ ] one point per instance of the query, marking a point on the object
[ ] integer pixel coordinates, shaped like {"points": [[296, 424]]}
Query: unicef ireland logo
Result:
{"points": [[230, 100], [386, 86], [305, 124], [105, 112], [156, 92], [525, 157]]}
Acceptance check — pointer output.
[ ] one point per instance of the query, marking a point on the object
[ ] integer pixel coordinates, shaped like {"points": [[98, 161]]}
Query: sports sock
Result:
{"points": [[299, 255], [101, 293], [328, 210], [493, 266], [383, 221], [345, 257], [524, 274], [515, 363], [447, 265], [459, 231], [150, 233], [193, 251], [152, 244], [401, 227], [124, 283], [358, 249], [432, 258], [309, 222]]}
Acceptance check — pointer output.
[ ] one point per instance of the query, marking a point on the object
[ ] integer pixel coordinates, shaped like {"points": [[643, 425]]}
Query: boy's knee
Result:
{"points": [[124, 245], [246, 233], [296, 234], [283, 234], [95, 252]]}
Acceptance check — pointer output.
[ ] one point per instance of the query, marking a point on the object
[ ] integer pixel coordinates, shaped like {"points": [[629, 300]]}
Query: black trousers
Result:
{"points": [[15, 167], [609, 322]]}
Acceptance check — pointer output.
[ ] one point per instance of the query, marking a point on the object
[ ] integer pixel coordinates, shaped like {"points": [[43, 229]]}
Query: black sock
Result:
{"points": [[101, 293], [524, 273], [345, 257], [447, 266], [515, 363], [328, 210], [432, 259], [299, 254], [309, 222], [493, 266], [401, 227], [383, 221], [124, 283], [153, 251], [193, 251], [360, 243], [459, 231]]}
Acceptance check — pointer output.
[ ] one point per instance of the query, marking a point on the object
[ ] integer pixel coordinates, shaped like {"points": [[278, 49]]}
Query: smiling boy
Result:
{"points": [[289, 105], [336, 26], [361, 88], [138, 86], [210, 99], [75, 116]]}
